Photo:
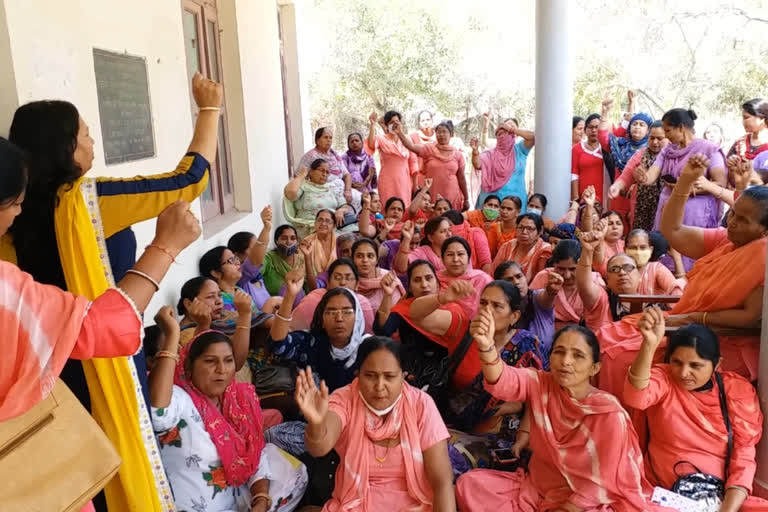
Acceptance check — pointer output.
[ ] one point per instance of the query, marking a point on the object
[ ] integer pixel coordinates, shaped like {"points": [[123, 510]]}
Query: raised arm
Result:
{"points": [[372, 121], [651, 326], [484, 132], [529, 137], [588, 290], [309, 265], [388, 286], [407, 142], [161, 377], [400, 263], [546, 299], [291, 190], [688, 240], [477, 162], [605, 115], [365, 226], [241, 338], [281, 326], [426, 311], [323, 426], [256, 253]]}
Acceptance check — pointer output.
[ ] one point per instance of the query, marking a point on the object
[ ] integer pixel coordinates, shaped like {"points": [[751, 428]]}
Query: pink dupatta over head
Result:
{"points": [[365, 427], [236, 429], [498, 164]]}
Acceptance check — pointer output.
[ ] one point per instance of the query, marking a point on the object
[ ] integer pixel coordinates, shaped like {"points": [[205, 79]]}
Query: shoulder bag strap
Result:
{"points": [[457, 357], [727, 421]]}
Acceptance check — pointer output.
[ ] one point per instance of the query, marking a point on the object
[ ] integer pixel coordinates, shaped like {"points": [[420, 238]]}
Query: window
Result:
{"points": [[203, 52]]}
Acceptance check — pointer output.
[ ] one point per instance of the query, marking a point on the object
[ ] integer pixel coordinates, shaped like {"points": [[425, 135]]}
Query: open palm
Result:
{"points": [[312, 401]]}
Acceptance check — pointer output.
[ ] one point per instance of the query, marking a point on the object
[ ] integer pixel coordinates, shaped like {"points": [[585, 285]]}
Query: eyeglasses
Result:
{"points": [[627, 268], [323, 221], [231, 261], [527, 229], [334, 313]]}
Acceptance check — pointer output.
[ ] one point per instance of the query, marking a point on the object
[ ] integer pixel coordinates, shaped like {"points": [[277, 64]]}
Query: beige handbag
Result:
{"points": [[54, 458]]}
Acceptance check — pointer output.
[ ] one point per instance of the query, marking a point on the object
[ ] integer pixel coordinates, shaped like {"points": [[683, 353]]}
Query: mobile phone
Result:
{"points": [[669, 178], [503, 456]]}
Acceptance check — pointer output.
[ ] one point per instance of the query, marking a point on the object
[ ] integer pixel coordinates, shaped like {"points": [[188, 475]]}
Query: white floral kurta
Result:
{"points": [[194, 467]]}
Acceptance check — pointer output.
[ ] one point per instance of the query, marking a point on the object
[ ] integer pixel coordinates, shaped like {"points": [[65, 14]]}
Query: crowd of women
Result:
{"points": [[399, 344]]}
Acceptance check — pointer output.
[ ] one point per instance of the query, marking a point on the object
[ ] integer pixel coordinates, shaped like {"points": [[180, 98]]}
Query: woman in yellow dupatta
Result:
{"points": [[74, 232]]}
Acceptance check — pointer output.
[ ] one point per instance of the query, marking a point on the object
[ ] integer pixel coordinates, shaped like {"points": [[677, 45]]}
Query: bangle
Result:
{"points": [[704, 319], [248, 327], [210, 109], [493, 363], [163, 249], [262, 496], [284, 319], [259, 242], [145, 276], [680, 194], [169, 355], [490, 349], [523, 430], [584, 264], [720, 194]]}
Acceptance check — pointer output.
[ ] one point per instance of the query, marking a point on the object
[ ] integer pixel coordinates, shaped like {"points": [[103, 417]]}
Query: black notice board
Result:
{"points": [[124, 107]]}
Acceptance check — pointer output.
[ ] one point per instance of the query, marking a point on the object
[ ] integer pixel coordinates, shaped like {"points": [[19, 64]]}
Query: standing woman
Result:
{"points": [[397, 174], [74, 233], [587, 164], [443, 163], [702, 210], [361, 167], [645, 198], [424, 135], [503, 167], [577, 130], [754, 114]]}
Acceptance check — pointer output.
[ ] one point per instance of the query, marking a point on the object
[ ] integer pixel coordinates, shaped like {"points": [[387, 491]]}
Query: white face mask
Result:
{"points": [[534, 210], [380, 412]]}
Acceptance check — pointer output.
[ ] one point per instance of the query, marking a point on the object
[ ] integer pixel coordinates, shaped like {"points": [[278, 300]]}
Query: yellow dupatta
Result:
{"points": [[117, 401]]}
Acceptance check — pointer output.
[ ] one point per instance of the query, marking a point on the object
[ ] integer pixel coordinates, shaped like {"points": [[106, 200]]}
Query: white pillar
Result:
{"points": [[761, 478], [554, 105]]}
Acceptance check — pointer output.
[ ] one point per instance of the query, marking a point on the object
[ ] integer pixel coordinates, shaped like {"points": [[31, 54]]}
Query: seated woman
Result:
{"points": [[341, 274], [612, 227], [478, 241], [456, 255], [390, 436], [322, 242], [338, 175], [725, 286], [312, 195], [601, 303], [250, 250], [436, 231], [537, 204], [285, 257], [684, 400], [389, 249], [210, 430], [537, 313], [585, 451], [430, 334], [569, 309], [388, 226], [562, 231], [221, 265], [330, 346], [486, 216], [655, 278], [472, 410], [441, 206], [201, 304], [505, 229], [365, 255], [528, 249]]}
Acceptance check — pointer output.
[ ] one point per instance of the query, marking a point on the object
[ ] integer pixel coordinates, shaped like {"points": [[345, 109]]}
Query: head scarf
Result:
{"points": [[564, 231], [348, 354], [622, 148], [498, 164], [236, 430]]}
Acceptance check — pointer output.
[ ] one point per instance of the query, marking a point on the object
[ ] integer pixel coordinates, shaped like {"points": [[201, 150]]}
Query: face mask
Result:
{"points": [[380, 412], [286, 250], [490, 213], [641, 256], [534, 210], [391, 128]]}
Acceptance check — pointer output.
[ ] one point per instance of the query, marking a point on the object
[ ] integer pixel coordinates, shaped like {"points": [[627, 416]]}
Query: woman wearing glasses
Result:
{"points": [[330, 345], [601, 304], [528, 249]]}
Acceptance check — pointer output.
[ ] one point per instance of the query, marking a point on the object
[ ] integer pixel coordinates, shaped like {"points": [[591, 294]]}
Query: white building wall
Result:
{"points": [[50, 44]]}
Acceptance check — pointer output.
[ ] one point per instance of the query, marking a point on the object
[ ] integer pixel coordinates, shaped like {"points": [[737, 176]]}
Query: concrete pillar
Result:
{"points": [[761, 477], [554, 105]]}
